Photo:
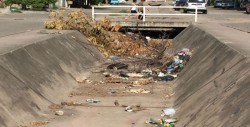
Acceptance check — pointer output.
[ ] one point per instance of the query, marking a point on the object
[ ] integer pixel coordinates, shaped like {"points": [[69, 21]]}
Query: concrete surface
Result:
{"points": [[14, 23], [35, 75], [213, 89]]}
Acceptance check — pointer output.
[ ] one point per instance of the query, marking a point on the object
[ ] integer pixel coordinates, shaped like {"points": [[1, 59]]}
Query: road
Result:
{"points": [[21, 22]]}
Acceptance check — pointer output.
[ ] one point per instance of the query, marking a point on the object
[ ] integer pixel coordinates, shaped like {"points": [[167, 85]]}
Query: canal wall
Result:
{"points": [[42, 73], [213, 89]]}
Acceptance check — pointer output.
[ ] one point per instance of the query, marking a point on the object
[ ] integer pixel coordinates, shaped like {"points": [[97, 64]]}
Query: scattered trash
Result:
{"points": [[172, 120], [135, 75], [114, 57], [138, 91], [167, 78], [59, 113], [175, 66], [168, 125], [92, 101], [133, 108], [117, 66], [161, 122], [161, 74], [168, 112], [123, 74]]}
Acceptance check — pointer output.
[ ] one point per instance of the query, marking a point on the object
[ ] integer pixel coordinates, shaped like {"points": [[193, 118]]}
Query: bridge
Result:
{"points": [[154, 17]]}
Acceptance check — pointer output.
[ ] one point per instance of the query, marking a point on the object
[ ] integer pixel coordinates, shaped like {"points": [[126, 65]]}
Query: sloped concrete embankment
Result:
{"points": [[42, 73], [213, 89]]}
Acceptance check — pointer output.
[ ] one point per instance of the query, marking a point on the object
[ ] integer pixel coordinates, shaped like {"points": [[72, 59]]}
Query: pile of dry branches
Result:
{"points": [[101, 34]]}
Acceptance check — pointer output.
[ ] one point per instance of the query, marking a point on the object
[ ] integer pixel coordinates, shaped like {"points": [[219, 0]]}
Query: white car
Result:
{"points": [[192, 4]]}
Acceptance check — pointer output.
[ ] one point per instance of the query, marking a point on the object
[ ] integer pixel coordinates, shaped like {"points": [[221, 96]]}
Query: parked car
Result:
{"points": [[179, 3], [226, 4], [192, 4], [117, 1], [217, 3], [248, 7]]}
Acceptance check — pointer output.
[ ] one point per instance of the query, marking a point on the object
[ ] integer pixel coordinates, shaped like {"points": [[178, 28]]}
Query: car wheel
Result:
{"points": [[247, 11], [204, 12]]}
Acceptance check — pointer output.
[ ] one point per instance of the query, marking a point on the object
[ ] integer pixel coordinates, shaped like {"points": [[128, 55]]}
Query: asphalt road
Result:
{"points": [[15, 23], [22, 22]]}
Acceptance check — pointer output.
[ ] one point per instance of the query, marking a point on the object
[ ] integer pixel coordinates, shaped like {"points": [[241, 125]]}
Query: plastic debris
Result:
{"points": [[117, 66], [169, 111], [172, 120], [134, 108], [155, 121], [167, 78], [92, 101]]}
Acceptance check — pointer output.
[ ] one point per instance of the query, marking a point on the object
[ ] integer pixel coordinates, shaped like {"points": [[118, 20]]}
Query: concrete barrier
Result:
{"points": [[41, 73], [213, 89]]}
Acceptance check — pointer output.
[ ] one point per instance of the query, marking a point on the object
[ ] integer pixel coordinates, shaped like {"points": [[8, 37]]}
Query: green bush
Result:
{"points": [[96, 2], [33, 3]]}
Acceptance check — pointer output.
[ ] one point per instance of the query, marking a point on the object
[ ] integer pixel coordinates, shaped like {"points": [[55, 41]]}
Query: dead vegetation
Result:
{"points": [[105, 36]]}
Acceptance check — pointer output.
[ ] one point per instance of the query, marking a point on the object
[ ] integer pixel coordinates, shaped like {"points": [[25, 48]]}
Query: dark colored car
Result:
{"points": [[180, 3], [217, 3], [248, 7], [226, 4]]}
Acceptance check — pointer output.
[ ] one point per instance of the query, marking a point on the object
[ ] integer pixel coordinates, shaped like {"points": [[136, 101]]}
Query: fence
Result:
{"points": [[144, 14]]}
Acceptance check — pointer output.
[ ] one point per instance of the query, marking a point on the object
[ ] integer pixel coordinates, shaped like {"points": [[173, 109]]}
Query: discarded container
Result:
{"points": [[92, 101]]}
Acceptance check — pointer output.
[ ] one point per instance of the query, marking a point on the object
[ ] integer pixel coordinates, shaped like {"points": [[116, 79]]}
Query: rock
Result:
{"points": [[116, 103]]}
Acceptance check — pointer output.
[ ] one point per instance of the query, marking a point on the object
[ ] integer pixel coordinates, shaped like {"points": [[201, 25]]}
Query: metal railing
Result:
{"points": [[144, 13]]}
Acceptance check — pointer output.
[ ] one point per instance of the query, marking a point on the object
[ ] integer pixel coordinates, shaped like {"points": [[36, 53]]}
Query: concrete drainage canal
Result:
{"points": [[106, 78]]}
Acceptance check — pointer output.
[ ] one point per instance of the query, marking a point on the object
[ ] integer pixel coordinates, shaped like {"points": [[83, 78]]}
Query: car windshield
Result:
{"points": [[197, 1]]}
